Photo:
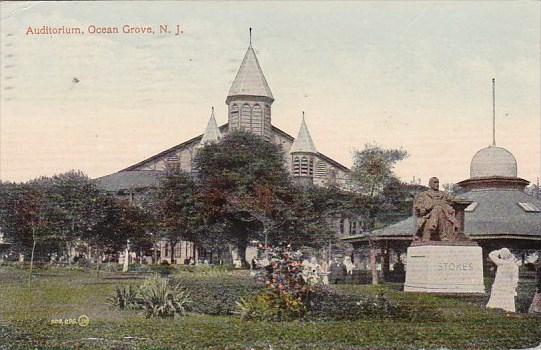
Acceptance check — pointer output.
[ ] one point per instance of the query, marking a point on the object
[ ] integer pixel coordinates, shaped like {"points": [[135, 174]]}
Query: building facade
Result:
{"points": [[249, 103]]}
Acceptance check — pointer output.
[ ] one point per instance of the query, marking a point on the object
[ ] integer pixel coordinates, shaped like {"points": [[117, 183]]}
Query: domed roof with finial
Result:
{"points": [[493, 161]]}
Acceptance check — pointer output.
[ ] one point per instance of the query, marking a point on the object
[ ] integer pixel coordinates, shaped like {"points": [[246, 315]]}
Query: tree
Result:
{"points": [[113, 223], [176, 210], [379, 190], [246, 193], [26, 217], [74, 196], [373, 168]]}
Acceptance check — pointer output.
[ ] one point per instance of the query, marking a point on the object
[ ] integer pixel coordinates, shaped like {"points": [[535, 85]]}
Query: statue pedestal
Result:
{"points": [[445, 267]]}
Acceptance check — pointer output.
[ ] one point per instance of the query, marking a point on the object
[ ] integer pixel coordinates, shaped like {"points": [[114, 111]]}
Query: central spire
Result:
{"points": [[250, 98], [250, 80]]}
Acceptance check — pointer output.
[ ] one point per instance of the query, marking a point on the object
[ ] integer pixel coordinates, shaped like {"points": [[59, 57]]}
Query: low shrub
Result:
{"points": [[270, 305], [328, 304], [217, 295], [206, 269], [163, 269]]}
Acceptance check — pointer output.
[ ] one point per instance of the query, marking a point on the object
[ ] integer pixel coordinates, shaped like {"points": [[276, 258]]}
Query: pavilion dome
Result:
{"points": [[493, 161]]}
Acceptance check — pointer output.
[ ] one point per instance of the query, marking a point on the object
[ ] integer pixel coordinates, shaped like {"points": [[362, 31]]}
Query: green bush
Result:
{"points": [[327, 304], [270, 305], [163, 269], [212, 270], [217, 295]]}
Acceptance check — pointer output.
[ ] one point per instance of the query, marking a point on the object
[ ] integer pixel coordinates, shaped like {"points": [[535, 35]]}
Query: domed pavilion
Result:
{"points": [[501, 213]]}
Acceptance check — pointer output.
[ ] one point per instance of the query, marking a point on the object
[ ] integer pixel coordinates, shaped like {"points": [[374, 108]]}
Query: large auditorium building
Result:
{"points": [[249, 104]]}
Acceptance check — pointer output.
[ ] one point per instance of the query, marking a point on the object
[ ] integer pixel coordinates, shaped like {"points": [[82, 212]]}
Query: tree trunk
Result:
{"points": [[173, 244], [154, 253], [98, 262], [242, 244], [68, 245], [32, 257], [373, 267]]}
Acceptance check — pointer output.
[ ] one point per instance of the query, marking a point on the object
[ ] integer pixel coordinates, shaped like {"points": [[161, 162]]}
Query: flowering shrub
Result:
{"points": [[285, 293]]}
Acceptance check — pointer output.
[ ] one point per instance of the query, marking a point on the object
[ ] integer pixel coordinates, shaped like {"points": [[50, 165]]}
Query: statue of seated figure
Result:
{"points": [[436, 219]]}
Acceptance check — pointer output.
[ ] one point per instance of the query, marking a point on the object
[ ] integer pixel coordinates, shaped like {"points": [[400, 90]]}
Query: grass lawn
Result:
{"points": [[25, 321]]}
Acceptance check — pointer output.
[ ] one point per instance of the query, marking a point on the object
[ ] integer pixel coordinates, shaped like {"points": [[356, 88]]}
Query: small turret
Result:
{"points": [[212, 133], [303, 154]]}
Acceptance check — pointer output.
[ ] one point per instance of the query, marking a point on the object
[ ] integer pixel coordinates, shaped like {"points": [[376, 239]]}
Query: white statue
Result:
{"points": [[324, 272], [311, 270], [505, 284], [349, 265]]}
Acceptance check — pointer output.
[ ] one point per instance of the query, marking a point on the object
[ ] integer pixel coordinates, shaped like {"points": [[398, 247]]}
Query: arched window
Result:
{"points": [[245, 115], [257, 120], [234, 117], [296, 166]]}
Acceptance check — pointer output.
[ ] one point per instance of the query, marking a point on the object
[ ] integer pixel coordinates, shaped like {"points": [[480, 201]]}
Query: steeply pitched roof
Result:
{"points": [[250, 79], [212, 133], [303, 142]]}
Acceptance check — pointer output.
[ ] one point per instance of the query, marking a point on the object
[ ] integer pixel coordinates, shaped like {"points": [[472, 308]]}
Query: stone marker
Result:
{"points": [[442, 259], [505, 284]]}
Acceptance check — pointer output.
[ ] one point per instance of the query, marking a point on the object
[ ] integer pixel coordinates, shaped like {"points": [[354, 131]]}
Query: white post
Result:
{"points": [[126, 257]]}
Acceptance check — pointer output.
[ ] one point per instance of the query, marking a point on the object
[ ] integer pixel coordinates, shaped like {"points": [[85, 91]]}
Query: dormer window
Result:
{"points": [[471, 207], [529, 207]]}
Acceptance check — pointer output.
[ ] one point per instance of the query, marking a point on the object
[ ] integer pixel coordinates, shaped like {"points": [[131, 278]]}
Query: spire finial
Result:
{"points": [[302, 115], [493, 112], [250, 36]]}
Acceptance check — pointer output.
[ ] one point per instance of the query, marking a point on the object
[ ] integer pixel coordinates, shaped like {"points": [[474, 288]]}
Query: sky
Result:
{"points": [[415, 75]]}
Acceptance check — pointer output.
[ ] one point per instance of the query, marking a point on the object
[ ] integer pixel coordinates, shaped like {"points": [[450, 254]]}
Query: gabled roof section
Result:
{"points": [[303, 142], [223, 129], [191, 141], [250, 80], [212, 133]]}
